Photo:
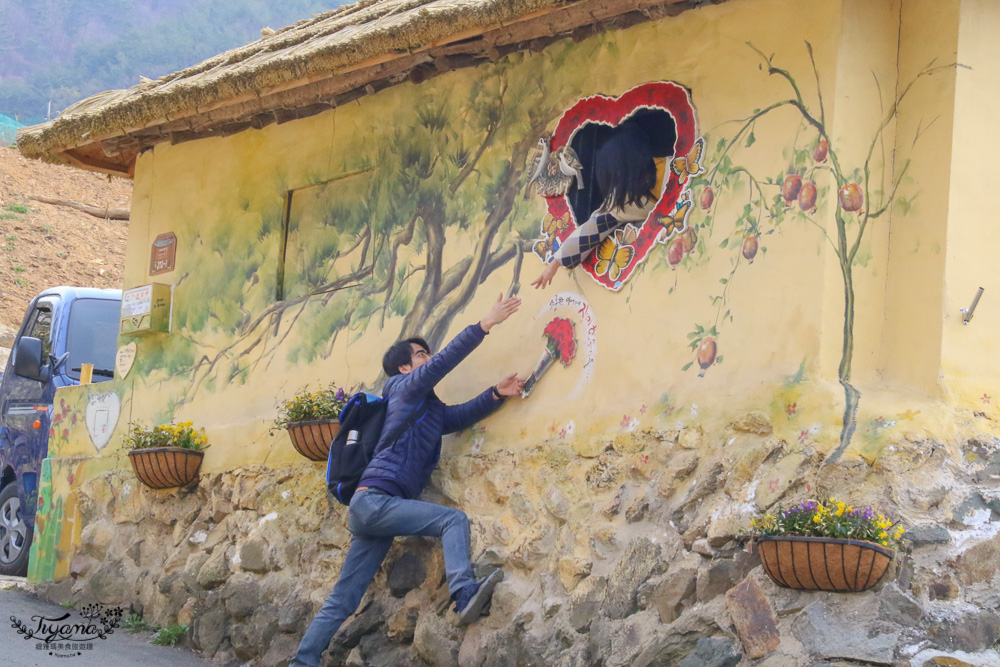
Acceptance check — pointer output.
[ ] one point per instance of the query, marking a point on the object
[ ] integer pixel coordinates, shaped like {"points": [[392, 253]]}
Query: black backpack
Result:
{"points": [[352, 449]]}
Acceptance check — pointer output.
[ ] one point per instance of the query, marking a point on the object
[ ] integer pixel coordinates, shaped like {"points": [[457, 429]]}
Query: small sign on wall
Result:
{"points": [[163, 254], [145, 310]]}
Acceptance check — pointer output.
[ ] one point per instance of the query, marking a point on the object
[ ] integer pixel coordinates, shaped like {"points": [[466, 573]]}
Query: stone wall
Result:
{"points": [[627, 557]]}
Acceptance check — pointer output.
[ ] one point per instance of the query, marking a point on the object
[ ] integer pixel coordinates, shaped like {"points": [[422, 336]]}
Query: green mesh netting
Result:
{"points": [[8, 129]]}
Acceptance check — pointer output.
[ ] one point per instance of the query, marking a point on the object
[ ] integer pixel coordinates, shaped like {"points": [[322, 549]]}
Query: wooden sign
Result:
{"points": [[161, 259]]}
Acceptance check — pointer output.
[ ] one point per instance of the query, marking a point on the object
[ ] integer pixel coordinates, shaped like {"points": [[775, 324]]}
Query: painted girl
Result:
{"points": [[629, 180]]}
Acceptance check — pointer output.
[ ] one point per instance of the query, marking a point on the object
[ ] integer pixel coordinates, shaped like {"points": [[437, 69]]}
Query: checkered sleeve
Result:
{"points": [[585, 239]]}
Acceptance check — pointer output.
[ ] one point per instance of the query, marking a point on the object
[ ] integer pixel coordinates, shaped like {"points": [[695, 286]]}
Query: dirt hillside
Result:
{"points": [[42, 245]]}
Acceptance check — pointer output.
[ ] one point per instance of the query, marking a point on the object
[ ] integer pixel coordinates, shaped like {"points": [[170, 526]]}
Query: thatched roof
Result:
{"points": [[314, 65]]}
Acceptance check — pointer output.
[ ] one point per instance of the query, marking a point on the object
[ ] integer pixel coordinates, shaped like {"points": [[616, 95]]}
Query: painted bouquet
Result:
{"points": [[832, 519], [183, 435], [560, 345], [311, 406]]}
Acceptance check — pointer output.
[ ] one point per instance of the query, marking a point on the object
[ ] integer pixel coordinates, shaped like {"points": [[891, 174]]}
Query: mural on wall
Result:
{"points": [[861, 199], [579, 168]]}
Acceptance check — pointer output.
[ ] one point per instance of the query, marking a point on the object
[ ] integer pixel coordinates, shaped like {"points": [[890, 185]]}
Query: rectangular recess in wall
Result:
{"points": [[321, 227]]}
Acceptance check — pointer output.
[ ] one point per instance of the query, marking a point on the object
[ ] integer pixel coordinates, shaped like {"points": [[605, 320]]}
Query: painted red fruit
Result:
{"points": [[850, 197], [689, 238], [750, 248], [807, 196], [791, 187], [822, 148], [707, 197], [675, 251], [706, 354]]}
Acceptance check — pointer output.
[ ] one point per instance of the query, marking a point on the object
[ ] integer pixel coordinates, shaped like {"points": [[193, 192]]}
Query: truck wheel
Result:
{"points": [[15, 536]]}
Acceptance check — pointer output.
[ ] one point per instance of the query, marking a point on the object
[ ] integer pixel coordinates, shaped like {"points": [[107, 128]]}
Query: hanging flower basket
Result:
{"points": [[311, 419], [166, 467], [165, 456], [823, 563], [312, 439]]}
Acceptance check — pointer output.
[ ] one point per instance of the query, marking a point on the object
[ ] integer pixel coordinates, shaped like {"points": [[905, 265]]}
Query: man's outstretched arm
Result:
{"points": [[464, 415], [424, 378]]}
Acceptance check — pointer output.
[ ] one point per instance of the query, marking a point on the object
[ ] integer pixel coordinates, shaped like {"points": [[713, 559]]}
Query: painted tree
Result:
{"points": [[865, 194], [445, 170]]}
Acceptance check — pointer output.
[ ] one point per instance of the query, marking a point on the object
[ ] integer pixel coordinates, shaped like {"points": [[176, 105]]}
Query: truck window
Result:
{"points": [[40, 327], [93, 337]]}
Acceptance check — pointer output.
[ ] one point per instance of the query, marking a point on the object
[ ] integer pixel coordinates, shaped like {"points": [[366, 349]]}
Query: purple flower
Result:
{"points": [[340, 394]]}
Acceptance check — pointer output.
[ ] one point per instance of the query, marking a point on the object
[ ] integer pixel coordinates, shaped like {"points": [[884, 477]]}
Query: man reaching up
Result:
{"points": [[385, 504]]}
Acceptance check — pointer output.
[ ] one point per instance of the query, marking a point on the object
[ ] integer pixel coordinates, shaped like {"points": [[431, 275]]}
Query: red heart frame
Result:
{"points": [[664, 95]]}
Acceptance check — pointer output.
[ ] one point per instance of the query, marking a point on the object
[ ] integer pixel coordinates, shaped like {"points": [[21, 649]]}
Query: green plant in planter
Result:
{"points": [[182, 435], [312, 406], [834, 519]]}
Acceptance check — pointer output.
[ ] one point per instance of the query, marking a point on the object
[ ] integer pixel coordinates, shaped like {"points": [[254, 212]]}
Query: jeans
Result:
{"points": [[375, 518]]}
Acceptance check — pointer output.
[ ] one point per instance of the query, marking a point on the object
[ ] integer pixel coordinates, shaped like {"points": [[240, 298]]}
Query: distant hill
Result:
{"points": [[61, 51]]}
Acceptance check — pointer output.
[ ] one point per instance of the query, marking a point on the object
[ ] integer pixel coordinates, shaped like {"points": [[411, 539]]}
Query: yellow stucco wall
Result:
{"points": [[224, 199]]}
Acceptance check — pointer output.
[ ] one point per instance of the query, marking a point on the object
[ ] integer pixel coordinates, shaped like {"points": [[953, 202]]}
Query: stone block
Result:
{"points": [[668, 593], [215, 571], [976, 631], [208, 631], [242, 595], [437, 641], [753, 619], [587, 600], [717, 578], [81, 565], [897, 607], [927, 534], [713, 652], [254, 556], [96, 538], [407, 573], [640, 560], [979, 562], [831, 634], [752, 422]]}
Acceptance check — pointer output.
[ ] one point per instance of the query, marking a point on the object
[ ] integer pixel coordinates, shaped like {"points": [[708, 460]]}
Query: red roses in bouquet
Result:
{"points": [[561, 339]]}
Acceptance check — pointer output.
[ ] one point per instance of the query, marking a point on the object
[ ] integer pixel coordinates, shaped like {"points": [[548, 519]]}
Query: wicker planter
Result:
{"points": [[823, 563], [312, 439], [165, 467]]}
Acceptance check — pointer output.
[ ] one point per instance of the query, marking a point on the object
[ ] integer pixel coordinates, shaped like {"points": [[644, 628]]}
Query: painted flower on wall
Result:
{"points": [[560, 344]]}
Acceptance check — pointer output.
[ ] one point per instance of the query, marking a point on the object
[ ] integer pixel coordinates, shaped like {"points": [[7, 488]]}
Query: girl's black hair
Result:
{"points": [[401, 354], [624, 167]]}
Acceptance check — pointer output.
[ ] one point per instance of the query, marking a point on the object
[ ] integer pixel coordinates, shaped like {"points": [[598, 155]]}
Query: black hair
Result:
{"points": [[624, 167], [401, 354]]}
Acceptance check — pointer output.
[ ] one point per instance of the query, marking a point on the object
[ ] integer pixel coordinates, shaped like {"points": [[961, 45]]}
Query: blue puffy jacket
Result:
{"points": [[403, 468]]}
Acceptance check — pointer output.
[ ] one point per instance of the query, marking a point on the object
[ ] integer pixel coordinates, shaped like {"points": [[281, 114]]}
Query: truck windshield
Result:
{"points": [[93, 337]]}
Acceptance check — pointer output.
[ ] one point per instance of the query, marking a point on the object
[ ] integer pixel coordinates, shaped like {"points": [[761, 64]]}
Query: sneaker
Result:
{"points": [[471, 601]]}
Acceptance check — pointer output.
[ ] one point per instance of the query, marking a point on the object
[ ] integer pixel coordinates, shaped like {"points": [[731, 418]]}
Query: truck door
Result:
{"points": [[24, 408]]}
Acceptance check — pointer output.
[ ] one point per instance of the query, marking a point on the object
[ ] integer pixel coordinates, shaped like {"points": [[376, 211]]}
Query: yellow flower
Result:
{"points": [[752, 523], [883, 535], [817, 518]]}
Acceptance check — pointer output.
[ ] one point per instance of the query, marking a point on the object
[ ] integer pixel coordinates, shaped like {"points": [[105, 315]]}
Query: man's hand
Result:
{"points": [[543, 281], [501, 310], [510, 385]]}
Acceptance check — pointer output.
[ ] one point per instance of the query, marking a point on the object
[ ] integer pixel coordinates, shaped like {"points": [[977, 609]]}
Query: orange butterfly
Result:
{"points": [[616, 252], [674, 221], [690, 164], [550, 229]]}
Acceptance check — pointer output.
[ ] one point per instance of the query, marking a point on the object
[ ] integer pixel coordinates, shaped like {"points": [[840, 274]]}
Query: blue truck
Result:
{"points": [[63, 328]]}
